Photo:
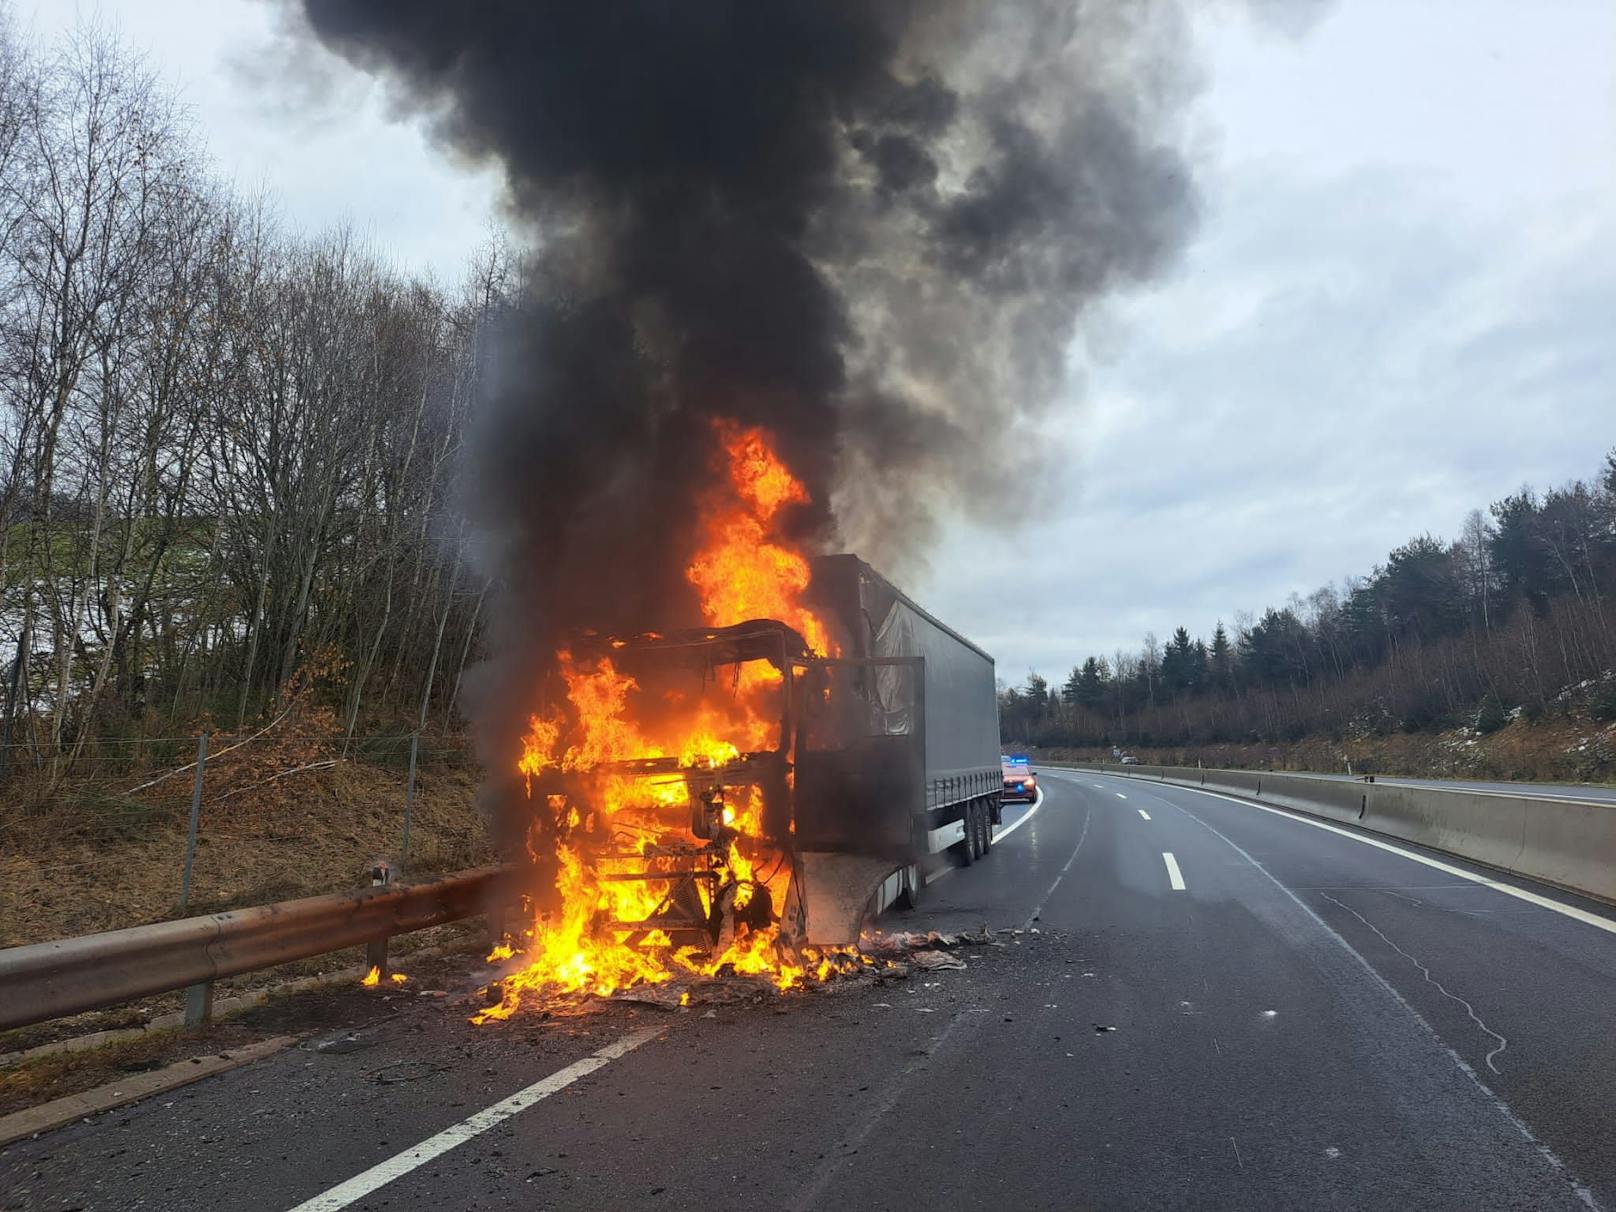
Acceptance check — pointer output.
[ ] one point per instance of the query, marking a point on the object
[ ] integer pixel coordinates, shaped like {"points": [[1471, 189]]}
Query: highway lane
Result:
{"points": [[1521, 993], [1273, 1046]]}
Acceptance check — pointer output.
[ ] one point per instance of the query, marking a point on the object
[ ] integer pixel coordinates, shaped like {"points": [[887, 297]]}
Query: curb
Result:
{"points": [[62, 1111]]}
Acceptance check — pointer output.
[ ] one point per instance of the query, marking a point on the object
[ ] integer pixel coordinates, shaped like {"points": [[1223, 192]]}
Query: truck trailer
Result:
{"points": [[932, 729], [880, 759]]}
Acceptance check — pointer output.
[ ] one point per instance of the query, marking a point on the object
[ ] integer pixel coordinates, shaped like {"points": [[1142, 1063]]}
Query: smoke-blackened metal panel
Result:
{"points": [[876, 619], [860, 758]]}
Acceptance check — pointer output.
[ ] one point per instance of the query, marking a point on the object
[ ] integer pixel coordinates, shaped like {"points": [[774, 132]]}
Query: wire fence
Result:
{"points": [[175, 826]]}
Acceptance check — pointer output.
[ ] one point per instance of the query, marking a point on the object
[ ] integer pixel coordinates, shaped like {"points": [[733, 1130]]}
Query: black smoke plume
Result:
{"points": [[872, 226]]}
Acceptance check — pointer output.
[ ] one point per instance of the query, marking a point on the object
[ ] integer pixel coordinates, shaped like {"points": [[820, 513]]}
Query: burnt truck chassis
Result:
{"points": [[683, 915], [800, 762]]}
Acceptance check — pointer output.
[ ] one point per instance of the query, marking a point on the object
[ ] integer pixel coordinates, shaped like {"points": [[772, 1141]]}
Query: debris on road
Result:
{"points": [[879, 957], [934, 961]]}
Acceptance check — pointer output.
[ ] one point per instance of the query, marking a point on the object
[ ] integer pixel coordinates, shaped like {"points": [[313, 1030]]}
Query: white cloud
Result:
{"points": [[292, 121]]}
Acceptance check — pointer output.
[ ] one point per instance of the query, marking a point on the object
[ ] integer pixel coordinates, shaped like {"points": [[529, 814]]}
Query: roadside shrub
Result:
{"points": [[1490, 716], [1602, 706], [1423, 711]]}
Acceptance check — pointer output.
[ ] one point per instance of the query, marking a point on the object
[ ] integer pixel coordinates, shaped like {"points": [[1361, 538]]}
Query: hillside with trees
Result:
{"points": [[228, 452], [1512, 621], [229, 506]]}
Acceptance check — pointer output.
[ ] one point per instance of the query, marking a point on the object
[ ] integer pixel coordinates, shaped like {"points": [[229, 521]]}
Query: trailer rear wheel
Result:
{"points": [[987, 828], [968, 845], [914, 880]]}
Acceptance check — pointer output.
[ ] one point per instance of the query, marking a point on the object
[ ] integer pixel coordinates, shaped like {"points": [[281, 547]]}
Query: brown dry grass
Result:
{"points": [[95, 854]]}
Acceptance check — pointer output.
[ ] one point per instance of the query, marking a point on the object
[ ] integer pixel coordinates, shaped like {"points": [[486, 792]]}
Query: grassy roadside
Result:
{"points": [[101, 857]]}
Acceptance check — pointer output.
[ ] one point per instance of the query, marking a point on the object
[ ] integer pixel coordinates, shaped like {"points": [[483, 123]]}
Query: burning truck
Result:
{"points": [[737, 798]]}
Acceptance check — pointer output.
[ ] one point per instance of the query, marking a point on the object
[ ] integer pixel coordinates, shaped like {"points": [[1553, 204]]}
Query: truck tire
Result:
{"points": [[987, 828], [914, 880], [968, 845]]}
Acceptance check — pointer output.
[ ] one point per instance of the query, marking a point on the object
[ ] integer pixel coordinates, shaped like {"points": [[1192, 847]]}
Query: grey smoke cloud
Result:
{"points": [[872, 228]]}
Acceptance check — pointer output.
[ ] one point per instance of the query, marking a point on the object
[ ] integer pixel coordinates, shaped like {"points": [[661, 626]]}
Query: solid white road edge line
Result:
{"points": [[1175, 877], [1006, 831], [433, 1147], [1523, 894], [1144, 814], [999, 836]]}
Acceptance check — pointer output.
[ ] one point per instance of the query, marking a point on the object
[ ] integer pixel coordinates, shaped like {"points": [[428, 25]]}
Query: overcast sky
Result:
{"points": [[1400, 305]]}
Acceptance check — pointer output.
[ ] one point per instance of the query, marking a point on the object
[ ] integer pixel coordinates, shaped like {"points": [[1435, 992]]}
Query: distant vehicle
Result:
{"points": [[1128, 759], [1020, 783]]}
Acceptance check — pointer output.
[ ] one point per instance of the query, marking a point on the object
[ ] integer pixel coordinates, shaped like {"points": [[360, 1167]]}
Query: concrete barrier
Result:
{"points": [[1339, 801], [1574, 846], [1241, 782], [1488, 828]]}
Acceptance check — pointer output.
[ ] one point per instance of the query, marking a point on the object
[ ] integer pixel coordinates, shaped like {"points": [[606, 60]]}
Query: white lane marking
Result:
{"points": [[1175, 877], [1464, 1066], [1523, 894], [1144, 814], [433, 1147], [1430, 980], [1120, 796], [1006, 830], [1039, 907]]}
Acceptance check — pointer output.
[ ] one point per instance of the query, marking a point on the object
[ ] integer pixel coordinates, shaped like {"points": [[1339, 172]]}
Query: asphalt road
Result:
{"points": [[1281, 1017]]}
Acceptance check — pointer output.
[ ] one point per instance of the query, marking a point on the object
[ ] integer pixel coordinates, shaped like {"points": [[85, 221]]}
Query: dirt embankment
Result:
{"points": [[1560, 750], [296, 818]]}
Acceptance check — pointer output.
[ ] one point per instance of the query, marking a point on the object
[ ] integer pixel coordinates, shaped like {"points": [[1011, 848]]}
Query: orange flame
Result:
{"points": [[744, 569]]}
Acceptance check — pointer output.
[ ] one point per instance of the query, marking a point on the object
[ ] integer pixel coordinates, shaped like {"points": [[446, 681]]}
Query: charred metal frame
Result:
{"points": [[684, 915]]}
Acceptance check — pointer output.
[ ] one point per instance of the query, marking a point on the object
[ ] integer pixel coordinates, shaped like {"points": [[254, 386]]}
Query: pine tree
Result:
{"points": [[1221, 661]]}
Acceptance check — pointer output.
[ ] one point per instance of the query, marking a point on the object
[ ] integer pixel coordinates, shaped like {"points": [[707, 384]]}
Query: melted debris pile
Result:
{"points": [[879, 957]]}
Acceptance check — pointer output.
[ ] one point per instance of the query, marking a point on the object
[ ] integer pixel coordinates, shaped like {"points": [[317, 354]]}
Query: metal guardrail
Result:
{"points": [[43, 981]]}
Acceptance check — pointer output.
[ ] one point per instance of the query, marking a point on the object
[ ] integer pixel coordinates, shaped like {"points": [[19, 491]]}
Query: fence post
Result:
{"points": [[196, 810], [409, 803]]}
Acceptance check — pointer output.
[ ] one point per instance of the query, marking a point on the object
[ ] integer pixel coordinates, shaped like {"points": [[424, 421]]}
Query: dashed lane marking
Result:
{"points": [[1175, 877]]}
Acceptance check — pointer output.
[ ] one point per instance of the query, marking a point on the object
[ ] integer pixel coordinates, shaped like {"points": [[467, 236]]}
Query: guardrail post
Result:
{"points": [[196, 811], [409, 803], [376, 950], [198, 1003]]}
